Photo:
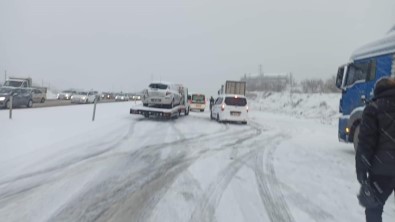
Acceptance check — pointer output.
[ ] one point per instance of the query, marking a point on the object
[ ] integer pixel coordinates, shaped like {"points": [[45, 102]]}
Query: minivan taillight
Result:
{"points": [[223, 107], [168, 93]]}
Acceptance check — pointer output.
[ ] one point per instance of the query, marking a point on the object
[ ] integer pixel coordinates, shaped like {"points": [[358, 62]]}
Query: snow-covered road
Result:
{"points": [[57, 165]]}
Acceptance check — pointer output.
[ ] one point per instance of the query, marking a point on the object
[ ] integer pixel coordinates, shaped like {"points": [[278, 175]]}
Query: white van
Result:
{"points": [[198, 102], [230, 108]]}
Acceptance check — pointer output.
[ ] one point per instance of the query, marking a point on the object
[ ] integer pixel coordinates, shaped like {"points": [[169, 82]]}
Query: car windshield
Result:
{"points": [[158, 86], [235, 101], [200, 99]]}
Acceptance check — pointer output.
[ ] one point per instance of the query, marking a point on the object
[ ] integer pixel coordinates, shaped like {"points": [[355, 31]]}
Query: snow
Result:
{"points": [[285, 165]]}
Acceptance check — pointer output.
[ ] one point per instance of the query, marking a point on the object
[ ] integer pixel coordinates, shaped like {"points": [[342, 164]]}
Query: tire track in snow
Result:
{"points": [[270, 189], [205, 210], [134, 196], [7, 190]]}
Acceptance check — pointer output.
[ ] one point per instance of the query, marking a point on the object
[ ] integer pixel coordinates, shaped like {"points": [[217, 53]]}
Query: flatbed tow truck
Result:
{"points": [[169, 113]]}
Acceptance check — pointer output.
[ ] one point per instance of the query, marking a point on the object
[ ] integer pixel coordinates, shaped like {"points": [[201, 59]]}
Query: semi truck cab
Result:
{"points": [[356, 80]]}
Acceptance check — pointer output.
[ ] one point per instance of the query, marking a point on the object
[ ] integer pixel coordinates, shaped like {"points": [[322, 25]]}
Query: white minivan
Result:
{"points": [[230, 108]]}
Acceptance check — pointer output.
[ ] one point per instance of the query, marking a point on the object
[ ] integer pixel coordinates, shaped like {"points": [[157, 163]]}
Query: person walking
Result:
{"points": [[375, 154], [211, 102]]}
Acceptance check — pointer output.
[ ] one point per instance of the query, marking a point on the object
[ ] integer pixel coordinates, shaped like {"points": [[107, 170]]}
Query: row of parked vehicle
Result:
{"points": [[92, 96]]}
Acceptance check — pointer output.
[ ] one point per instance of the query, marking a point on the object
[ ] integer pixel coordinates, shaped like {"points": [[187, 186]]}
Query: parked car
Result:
{"points": [[122, 97], [231, 108], [136, 97], [107, 95], [66, 95], [39, 96], [84, 97], [21, 97], [161, 93]]}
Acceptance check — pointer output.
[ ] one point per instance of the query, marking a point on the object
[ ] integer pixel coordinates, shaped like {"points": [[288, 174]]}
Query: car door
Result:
{"points": [[36, 95], [17, 97], [216, 107]]}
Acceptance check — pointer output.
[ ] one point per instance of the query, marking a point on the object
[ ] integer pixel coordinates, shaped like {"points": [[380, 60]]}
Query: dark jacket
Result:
{"points": [[376, 147]]}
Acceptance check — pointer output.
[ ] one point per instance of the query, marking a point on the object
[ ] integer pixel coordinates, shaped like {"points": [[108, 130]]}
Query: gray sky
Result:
{"points": [[122, 45]]}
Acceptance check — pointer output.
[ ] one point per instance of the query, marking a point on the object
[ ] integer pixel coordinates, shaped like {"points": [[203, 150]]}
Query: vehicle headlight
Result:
{"points": [[2, 98], [84, 97]]}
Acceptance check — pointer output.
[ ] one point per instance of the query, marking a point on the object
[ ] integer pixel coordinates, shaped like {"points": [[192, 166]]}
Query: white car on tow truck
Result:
{"points": [[230, 108], [164, 94]]}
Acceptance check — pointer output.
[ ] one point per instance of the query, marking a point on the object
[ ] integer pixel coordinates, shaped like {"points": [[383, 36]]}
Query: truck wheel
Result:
{"points": [[355, 138], [186, 111], [42, 100], [202, 110], [145, 104], [29, 104]]}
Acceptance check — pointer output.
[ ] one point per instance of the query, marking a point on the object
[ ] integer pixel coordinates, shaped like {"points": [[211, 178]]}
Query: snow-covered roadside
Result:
{"points": [[322, 107]]}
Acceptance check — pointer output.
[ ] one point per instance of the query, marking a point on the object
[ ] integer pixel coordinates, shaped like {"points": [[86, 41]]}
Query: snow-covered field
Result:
{"points": [[58, 165]]}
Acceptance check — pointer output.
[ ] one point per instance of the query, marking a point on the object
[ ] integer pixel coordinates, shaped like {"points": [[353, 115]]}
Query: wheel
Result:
{"points": [[202, 110], [43, 100], [355, 138], [86, 101], [29, 104], [244, 123], [172, 104], [218, 118], [187, 111], [145, 104]]}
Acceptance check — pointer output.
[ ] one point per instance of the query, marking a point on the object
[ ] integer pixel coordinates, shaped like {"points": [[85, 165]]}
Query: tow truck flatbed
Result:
{"points": [[160, 112]]}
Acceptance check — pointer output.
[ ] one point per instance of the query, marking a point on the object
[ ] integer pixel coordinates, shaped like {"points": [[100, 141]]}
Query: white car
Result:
{"points": [[84, 97], [230, 108], [122, 97], [163, 94]]}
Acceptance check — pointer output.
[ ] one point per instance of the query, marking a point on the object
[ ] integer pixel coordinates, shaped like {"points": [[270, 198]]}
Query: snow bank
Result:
{"points": [[323, 107]]}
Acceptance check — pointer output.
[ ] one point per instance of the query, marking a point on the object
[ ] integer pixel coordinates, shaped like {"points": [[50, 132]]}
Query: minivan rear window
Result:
{"points": [[199, 99], [233, 101], [158, 86]]}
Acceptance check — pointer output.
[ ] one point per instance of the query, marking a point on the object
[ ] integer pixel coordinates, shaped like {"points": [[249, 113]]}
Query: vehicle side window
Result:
{"points": [[24, 84], [372, 74], [357, 72]]}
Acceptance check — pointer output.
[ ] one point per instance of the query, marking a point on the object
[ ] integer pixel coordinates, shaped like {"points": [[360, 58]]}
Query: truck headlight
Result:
{"points": [[2, 98]]}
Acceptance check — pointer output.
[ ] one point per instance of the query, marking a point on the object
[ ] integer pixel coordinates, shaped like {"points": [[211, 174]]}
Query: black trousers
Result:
{"points": [[387, 186]]}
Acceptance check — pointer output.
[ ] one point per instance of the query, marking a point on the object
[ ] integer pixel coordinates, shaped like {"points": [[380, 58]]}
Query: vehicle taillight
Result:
{"points": [[223, 107], [168, 93]]}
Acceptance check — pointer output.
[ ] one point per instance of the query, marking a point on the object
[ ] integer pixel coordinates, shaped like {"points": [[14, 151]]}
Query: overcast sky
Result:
{"points": [[122, 45]]}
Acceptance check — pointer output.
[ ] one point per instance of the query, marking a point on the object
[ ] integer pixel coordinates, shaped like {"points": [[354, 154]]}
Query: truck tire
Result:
{"points": [[355, 138], [202, 110]]}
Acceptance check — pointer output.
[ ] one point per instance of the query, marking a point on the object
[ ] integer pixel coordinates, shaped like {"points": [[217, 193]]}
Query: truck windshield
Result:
{"points": [[158, 86], [233, 101], [13, 83]]}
